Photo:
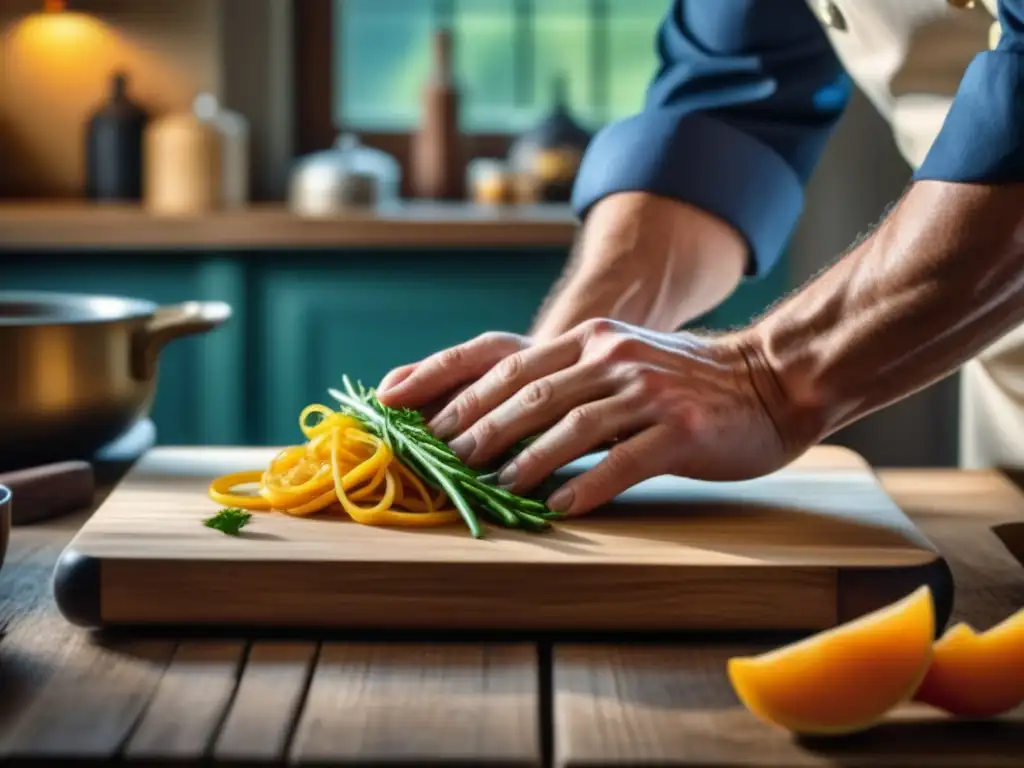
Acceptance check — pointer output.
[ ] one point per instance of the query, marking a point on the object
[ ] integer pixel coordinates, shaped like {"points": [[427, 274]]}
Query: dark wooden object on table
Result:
{"points": [[49, 490]]}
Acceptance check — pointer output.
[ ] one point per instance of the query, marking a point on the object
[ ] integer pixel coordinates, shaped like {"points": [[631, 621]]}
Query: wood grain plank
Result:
{"points": [[267, 702], [388, 704], [636, 706], [660, 705], [90, 704], [62, 692], [371, 595], [190, 702]]}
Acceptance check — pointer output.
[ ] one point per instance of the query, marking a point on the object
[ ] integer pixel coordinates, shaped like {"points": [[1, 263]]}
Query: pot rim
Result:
{"points": [[73, 308]]}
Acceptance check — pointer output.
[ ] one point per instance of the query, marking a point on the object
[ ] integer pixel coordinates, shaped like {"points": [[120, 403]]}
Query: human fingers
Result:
{"points": [[431, 409], [445, 370], [396, 376], [640, 457], [583, 429], [534, 408], [505, 379]]}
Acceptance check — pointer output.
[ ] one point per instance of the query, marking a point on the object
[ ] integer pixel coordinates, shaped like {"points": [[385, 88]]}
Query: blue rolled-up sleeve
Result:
{"points": [[735, 119], [981, 138]]}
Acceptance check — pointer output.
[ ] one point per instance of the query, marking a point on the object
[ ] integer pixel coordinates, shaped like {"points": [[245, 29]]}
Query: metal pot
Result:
{"points": [[76, 371]]}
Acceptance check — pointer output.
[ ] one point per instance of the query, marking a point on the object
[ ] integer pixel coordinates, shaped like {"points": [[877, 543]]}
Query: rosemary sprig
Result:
{"points": [[407, 434]]}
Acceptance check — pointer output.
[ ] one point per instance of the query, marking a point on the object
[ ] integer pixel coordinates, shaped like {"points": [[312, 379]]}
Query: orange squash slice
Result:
{"points": [[844, 679], [977, 674]]}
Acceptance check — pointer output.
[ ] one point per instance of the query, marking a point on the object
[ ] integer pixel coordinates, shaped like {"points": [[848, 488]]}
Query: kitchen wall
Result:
{"points": [[55, 72]]}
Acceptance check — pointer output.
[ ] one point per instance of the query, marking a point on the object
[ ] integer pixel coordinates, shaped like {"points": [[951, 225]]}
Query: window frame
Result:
{"points": [[315, 91]]}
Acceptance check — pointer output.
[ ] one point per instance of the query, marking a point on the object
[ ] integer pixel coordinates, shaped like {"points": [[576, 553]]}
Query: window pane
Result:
{"points": [[485, 63], [383, 50], [632, 26], [564, 29]]}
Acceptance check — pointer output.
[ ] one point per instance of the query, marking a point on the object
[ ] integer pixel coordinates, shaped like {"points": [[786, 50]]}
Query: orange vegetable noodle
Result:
{"points": [[341, 469]]}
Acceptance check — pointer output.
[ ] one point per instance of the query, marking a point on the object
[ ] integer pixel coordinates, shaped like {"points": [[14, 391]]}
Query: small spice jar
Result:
{"points": [[491, 182], [183, 166]]}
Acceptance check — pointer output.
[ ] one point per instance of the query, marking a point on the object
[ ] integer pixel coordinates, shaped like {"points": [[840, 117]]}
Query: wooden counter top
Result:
{"points": [[199, 699], [60, 226]]}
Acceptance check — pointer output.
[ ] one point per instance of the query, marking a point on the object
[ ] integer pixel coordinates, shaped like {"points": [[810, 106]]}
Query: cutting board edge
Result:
{"points": [[862, 590], [78, 591]]}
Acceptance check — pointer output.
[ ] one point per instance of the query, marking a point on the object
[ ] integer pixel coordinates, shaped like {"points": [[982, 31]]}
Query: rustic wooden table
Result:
{"points": [[68, 695]]}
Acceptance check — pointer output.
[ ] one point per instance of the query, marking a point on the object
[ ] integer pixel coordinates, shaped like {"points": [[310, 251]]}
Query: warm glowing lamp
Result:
{"points": [[55, 6]]}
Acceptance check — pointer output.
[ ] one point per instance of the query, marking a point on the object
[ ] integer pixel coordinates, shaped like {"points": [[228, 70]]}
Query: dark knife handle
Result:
{"points": [[50, 490]]}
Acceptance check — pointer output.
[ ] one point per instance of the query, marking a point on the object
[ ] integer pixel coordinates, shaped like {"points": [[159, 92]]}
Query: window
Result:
{"points": [[507, 54], [360, 65]]}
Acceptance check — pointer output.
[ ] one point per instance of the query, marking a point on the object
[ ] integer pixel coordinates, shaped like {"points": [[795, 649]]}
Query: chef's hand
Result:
{"points": [[441, 377], [670, 404]]}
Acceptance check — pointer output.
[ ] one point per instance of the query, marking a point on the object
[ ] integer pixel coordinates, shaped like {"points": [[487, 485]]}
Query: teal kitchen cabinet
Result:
{"points": [[317, 318], [303, 318], [200, 378]]}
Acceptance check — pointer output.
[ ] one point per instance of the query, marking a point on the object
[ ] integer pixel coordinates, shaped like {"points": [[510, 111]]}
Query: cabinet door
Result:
{"points": [[196, 399], [320, 317]]}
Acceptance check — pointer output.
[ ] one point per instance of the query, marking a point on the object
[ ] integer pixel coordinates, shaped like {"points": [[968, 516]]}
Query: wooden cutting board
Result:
{"points": [[814, 544]]}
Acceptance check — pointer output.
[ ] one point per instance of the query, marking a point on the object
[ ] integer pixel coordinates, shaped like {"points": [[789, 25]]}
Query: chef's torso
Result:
{"points": [[908, 57]]}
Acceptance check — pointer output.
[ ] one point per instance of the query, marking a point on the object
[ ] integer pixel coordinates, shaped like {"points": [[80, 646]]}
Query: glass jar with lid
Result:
{"points": [[348, 176]]}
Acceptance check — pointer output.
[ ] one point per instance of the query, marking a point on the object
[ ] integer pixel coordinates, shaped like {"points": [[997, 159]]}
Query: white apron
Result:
{"points": [[908, 57]]}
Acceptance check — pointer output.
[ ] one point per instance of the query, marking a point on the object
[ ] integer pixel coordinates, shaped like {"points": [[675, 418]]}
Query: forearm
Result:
{"points": [[941, 279], [645, 260]]}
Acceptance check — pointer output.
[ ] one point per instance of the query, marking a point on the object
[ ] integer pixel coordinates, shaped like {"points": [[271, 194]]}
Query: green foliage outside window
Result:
{"points": [[507, 54]]}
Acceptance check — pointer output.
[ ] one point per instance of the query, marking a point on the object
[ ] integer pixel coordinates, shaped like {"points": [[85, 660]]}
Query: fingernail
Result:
{"points": [[507, 476], [561, 500], [463, 446], [443, 427]]}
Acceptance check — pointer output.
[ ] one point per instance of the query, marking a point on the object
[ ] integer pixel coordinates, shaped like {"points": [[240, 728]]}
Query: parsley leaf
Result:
{"points": [[229, 520]]}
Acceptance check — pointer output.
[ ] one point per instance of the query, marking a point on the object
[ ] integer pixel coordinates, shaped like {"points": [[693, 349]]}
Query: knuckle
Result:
{"points": [[453, 357], [599, 326], [685, 417], [510, 369], [484, 432], [583, 419], [466, 404], [621, 348], [537, 393], [648, 381]]}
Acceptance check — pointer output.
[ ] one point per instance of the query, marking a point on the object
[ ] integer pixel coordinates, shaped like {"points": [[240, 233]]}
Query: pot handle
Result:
{"points": [[169, 323]]}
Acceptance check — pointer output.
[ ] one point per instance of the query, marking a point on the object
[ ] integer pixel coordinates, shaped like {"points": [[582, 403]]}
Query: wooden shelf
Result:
{"points": [[60, 226]]}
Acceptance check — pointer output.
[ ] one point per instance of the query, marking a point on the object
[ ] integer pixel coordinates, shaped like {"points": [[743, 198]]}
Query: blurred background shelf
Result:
{"points": [[25, 226]]}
